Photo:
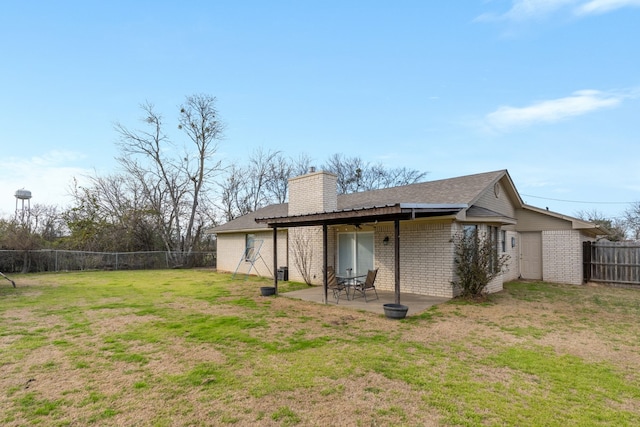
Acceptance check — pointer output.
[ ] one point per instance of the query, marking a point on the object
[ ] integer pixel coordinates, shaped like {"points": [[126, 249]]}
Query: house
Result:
{"points": [[405, 232]]}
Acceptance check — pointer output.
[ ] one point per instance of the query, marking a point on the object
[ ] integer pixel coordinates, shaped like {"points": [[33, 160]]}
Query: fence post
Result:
{"points": [[586, 261]]}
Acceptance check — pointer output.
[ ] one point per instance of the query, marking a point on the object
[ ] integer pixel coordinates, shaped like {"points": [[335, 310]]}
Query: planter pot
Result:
{"points": [[266, 291], [395, 311]]}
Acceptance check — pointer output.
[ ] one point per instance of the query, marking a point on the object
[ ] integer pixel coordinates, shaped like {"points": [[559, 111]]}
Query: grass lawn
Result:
{"points": [[192, 347]]}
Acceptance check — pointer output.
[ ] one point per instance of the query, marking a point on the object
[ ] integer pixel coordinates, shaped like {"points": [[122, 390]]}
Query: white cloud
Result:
{"points": [[581, 102], [526, 10], [594, 7]]}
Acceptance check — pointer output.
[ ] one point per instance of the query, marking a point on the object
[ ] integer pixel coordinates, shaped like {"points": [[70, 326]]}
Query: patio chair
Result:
{"points": [[368, 285], [335, 286]]}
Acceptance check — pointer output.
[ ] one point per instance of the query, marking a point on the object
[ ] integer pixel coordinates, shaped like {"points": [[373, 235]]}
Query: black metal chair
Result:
{"points": [[335, 286], [368, 285]]}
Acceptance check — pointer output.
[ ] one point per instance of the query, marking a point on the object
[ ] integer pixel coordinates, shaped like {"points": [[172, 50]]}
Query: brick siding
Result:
{"points": [[426, 258], [562, 256]]}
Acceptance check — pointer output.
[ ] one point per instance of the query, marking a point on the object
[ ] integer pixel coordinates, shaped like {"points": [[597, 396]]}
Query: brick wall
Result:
{"points": [[562, 256], [426, 258]]}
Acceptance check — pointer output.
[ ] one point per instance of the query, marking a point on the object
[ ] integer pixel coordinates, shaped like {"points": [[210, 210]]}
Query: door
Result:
{"points": [[531, 256], [355, 253]]}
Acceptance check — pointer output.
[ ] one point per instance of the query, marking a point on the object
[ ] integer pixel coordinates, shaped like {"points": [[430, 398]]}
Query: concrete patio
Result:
{"points": [[416, 303]]}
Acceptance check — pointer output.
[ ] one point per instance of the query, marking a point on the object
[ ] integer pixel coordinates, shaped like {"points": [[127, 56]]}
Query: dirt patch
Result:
{"points": [[178, 357], [108, 321]]}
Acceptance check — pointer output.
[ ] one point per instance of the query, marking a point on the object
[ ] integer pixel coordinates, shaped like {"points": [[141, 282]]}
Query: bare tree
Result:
{"points": [[632, 220], [46, 221], [616, 228], [172, 182], [125, 220], [265, 180], [231, 193], [260, 175], [302, 250], [349, 172], [300, 165], [355, 175], [277, 182], [280, 170]]}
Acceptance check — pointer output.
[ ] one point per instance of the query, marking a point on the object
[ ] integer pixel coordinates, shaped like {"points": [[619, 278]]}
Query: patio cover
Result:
{"points": [[391, 212]]}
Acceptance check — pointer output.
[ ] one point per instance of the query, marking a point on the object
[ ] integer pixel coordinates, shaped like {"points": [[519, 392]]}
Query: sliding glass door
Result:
{"points": [[355, 253]]}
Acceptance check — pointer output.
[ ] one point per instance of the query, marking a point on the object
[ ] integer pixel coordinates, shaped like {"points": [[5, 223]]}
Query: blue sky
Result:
{"points": [[549, 90]]}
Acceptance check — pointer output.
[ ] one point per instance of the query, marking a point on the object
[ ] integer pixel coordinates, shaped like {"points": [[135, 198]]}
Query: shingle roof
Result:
{"points": [[459, 190], [248, 221]]}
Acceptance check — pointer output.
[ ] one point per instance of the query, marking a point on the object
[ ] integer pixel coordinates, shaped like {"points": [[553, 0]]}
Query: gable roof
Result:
{"points": [[445, 195], [576, 223]]}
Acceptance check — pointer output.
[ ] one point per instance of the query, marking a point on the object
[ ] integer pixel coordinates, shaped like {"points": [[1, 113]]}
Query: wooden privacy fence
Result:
{"points": [[611, 262]]}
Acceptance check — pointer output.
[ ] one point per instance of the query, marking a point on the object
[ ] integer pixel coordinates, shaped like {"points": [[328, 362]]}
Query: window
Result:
{"points": [[249, 246], [470, 230], [503, 240], [492, 235]]}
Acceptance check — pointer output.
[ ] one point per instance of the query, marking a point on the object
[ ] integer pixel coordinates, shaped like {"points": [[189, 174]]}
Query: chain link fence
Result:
{"points": [[58, 260]]}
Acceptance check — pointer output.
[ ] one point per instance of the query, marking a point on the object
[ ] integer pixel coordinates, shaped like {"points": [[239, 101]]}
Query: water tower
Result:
{"points": [[22, 196]]}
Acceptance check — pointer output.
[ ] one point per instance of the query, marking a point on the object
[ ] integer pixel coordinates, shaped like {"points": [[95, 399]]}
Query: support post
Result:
{"points": [[324, 263], [275, 258], [586, 261], [396, 239]]}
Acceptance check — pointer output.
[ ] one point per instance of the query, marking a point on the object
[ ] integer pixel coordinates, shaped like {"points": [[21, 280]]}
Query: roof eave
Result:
{"points": [[399, 211], [503, 220], [237, 230]]}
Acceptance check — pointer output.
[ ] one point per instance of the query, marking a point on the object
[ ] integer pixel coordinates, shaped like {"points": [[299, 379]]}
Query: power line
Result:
{"points": [[577, 201]]}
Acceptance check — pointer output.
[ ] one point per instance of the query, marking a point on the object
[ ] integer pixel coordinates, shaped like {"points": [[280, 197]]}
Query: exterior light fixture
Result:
{"points": [[385, 241]]}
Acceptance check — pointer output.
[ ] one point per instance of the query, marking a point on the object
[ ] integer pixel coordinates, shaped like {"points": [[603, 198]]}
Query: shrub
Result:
{"points": [[477, 262]]}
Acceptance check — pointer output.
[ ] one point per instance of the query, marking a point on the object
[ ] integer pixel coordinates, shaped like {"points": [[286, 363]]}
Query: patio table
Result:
{"points": [[350, 282]]}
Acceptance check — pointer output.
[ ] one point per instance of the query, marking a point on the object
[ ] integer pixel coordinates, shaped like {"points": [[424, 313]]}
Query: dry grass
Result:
{"points": [[196, 348]]}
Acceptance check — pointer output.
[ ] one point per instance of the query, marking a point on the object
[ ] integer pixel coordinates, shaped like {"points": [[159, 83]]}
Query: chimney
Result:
{"points": [[314, 192]]}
